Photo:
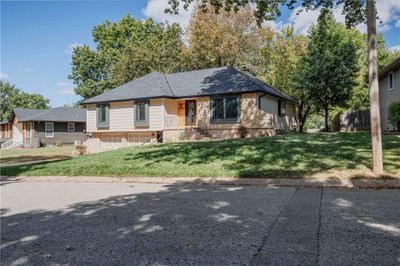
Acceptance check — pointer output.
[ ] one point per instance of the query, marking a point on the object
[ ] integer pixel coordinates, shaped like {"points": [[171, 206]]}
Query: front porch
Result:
{"points": [[181, 114]]}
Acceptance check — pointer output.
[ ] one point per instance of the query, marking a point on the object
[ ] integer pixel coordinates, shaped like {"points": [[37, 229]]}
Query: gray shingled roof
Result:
{"points": [[59, 114], [23, 114], [212, 81]]}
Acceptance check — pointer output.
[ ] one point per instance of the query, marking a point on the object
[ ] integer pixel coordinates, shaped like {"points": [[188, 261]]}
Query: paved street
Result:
{"points": [[49, 223]]}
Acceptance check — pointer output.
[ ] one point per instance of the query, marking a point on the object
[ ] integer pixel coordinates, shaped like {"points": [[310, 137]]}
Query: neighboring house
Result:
{"points": [[218, 102], [28, 127], [389, 91]]}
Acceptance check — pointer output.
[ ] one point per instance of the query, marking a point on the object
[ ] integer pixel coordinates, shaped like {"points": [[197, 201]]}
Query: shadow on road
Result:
{"points": [[179, 225]]}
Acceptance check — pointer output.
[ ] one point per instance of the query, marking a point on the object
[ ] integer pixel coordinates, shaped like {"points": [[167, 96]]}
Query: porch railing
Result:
{"points": [[10, 144]]}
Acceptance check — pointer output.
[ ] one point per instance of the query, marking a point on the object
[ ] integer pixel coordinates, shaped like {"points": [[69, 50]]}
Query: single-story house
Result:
{"points": [[389, 91], [28, 127], [217, 102]]}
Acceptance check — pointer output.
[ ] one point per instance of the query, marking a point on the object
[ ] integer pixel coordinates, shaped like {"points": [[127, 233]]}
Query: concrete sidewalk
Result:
{"points": [[268, 182]]}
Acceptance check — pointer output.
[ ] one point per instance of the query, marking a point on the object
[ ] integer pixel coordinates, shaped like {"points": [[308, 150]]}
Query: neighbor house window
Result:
{"points": [[49, 130], [225, 109], [282, 108], [71, 127], [103, 115], [141, 113], [391, 80]]}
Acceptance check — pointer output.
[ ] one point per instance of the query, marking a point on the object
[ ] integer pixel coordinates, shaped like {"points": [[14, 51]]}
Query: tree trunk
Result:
{"points": [[326, 119], [301, 116], [374, 89]]}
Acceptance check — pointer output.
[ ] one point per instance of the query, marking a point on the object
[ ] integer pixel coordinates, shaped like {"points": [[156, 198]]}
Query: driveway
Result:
{"points": [[49, 223]]}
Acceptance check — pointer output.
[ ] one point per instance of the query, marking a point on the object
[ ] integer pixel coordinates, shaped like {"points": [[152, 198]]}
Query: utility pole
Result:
{"points": [[374, 89]]}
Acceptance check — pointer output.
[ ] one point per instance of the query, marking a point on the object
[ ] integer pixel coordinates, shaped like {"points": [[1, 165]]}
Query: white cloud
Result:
{"points": [[388, 11], [4, 75], [65, 88], [155, 9], [395, 48], [398, 23], [71, 47]]}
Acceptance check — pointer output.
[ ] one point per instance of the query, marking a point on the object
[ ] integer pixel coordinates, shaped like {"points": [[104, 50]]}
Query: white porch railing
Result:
{"points": [[10, 144]]}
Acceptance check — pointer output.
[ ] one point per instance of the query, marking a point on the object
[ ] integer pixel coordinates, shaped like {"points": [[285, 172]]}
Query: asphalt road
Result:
{"points": [[50, 223]]}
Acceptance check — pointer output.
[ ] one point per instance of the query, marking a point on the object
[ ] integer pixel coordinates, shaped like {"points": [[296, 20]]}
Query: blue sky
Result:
{"points": [[36, 36]]}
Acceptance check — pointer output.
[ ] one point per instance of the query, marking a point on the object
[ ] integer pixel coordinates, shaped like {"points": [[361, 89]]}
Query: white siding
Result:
{"points": [[156, 114], [91, 118], [121, 116], [269, 105]]}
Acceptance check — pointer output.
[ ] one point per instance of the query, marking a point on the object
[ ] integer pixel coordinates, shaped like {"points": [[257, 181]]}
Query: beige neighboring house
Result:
{"points": [[389, 91], [211, 103]]}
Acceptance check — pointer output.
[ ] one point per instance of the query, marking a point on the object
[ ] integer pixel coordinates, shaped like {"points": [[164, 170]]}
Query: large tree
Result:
{"points": [[229, 38], [331, 65], [162, 52], [282, 55], [12, 97], [91, 68], [356, 11]]}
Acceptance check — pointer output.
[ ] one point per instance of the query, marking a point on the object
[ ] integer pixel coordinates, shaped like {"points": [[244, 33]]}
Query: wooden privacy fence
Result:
{"points": [[357, 120]]}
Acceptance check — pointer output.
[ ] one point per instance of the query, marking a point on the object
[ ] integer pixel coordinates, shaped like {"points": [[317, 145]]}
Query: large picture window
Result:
{"points": [[225, 109], [142, 113], [103, 115], [49, 130]]}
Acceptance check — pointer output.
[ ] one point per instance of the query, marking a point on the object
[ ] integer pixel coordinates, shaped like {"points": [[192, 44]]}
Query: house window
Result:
{"points": [[103, 115], [281, 108], [141, 113], [391, 80], [71, 127], [225, 109], [49, 130]]}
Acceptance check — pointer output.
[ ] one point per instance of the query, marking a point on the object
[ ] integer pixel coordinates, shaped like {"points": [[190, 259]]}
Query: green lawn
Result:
{"points": [[289, 155], [27, 155]]}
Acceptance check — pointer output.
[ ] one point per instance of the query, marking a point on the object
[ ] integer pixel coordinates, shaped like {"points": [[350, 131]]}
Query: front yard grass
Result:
{"points": [[40, 154], [289, 155]]}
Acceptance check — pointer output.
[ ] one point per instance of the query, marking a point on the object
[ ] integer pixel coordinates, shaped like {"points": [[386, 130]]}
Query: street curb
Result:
{"points": [[226, 181]]}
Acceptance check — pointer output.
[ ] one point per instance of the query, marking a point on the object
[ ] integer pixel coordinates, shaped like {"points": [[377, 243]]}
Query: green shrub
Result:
{"points": [[59, 143], [394, 114]]}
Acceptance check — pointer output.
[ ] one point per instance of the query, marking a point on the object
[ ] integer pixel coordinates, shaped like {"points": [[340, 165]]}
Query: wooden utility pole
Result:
{"points": [[374, 89]]}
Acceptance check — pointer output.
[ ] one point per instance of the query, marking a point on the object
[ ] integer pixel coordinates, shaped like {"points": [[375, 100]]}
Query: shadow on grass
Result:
{"points": [[282, 156], [31, 158], [286, 156]]}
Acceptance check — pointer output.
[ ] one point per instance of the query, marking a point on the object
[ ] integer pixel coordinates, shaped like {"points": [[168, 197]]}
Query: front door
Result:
{"points": [[190, 113]]}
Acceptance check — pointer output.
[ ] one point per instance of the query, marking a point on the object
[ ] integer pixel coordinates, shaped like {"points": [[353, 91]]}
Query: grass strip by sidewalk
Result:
{"points": [[286, 156]]}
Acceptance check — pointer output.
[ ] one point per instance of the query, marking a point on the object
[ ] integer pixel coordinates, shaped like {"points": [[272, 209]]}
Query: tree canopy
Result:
{"points": [[228, 38], [354, 10], [92, 68], [13, 97], [331, 65]]}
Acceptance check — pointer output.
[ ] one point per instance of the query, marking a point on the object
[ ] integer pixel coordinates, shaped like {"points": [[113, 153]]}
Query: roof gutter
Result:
{"points": [[188, 96]]}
